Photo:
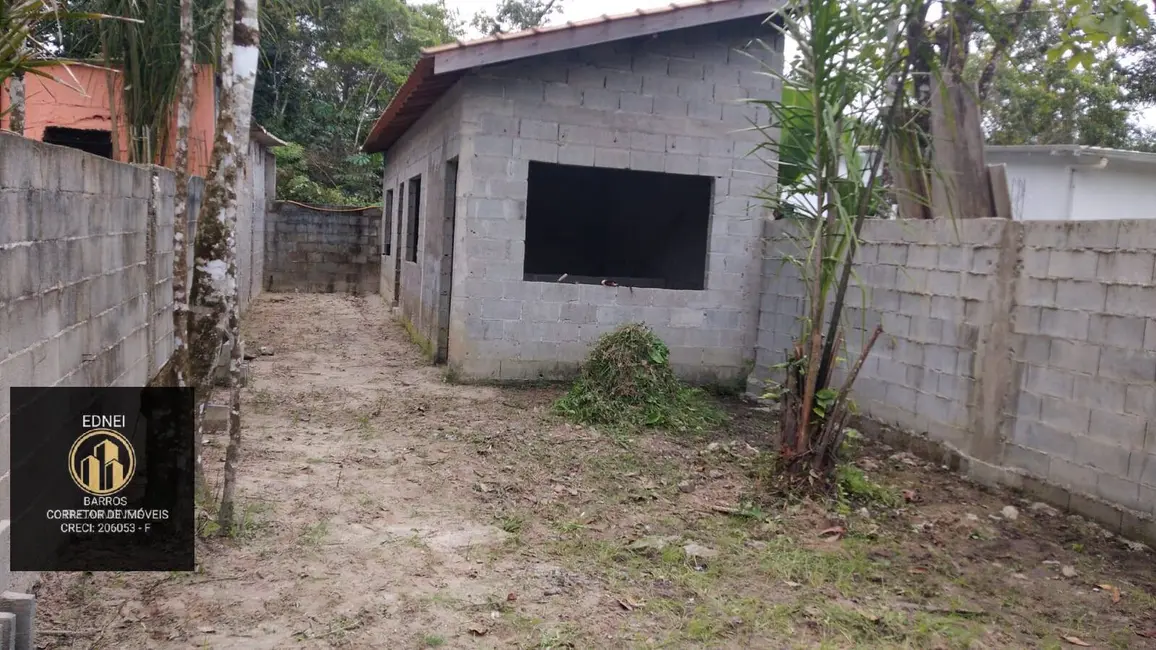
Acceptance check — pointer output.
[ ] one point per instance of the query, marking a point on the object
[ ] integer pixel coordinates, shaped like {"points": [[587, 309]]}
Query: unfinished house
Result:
{"points": [[544, 187]]}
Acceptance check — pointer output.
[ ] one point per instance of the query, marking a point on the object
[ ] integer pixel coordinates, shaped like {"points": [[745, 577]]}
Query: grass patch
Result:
{"points": [[855, 489], [417, 337], [627, 382], [315, 534]]}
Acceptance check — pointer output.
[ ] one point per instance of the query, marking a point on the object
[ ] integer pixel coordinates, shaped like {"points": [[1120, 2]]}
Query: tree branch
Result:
{"points": [[1001, 46]]}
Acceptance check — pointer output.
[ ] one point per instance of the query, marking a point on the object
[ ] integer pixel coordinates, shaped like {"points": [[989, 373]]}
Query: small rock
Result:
{"points": [[651, 543], [1135, 547], [1010, 513], [714, 446], [716, 474], [699, 551], [264, 351], [1039, 507], [864, 512], [1068, 571], [685, 486], [971, 517]]}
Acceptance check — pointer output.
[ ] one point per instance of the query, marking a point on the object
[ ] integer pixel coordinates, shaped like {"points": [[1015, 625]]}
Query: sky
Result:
{"points": [[583, 9]]}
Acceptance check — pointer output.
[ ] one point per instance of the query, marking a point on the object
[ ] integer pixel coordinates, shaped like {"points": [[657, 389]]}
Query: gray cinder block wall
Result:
{"points": [[85, 278], [86, 255], [320, 250], [1025, 349], [414, 286], [670, 103]]}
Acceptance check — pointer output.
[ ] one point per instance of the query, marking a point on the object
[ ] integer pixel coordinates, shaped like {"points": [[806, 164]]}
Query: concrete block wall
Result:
{"points": [[319, 250], [423, 152], [1085, 355], [932, 300], [668, 103], [255, 191], [1025, 349], [251, 211], [85, 278]]}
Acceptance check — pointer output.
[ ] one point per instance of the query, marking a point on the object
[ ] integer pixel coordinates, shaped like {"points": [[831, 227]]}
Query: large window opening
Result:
{"points": [[634, 228], [387, 224], [93, 141], [414, 205]]}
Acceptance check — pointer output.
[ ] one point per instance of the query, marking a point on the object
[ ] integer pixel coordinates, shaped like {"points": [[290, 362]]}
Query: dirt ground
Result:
{"points": [[385, 508]]}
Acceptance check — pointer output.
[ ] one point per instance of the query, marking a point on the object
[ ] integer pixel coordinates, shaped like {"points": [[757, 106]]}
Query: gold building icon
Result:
{"points": [[101, 462]]}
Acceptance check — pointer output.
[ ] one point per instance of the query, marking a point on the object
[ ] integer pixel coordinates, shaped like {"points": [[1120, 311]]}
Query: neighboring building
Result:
{"points": [[525, 172], [73, 110], [1070, 182]]}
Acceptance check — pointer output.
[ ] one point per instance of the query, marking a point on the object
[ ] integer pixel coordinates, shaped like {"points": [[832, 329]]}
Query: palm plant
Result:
{"points": [[147, 53], [31, 33], [841, 97]]}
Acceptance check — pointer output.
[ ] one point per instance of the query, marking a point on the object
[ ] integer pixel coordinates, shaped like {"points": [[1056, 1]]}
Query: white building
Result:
{"points": [[1074, 183]]}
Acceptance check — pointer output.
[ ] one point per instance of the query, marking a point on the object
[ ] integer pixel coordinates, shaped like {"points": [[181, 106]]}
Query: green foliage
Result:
{"points": [[32, 31], [1090, 25], [515, 15], [856, 489], [1036, 99], [147, 51], [327, 72], [627, 382]]}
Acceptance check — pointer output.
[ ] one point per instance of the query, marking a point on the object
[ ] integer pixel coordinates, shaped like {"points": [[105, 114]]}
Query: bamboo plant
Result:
{"points": [[840, 98]]}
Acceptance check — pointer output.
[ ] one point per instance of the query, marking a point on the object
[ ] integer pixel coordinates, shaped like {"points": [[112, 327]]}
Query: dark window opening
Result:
{"points": [[387, 224], [91, 140], [642, 229], [414, 206]]}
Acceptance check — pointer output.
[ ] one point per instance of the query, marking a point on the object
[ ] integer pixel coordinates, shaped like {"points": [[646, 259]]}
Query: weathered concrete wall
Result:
{"points": [[663, 103], [85, 278], [251, 217], [258, 184], [1027, 349], [86, 258], [422, 152], [320, 250]]}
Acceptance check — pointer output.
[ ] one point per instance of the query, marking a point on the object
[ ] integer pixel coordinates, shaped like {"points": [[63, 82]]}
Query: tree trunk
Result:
{"points": [[959, 187], [185, 98], [245, 54], [225, 516], [213, 295], [16, 97]]}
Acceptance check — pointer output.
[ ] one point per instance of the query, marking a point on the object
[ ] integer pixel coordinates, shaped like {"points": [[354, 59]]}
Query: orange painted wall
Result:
{"points": [[79, 99]]}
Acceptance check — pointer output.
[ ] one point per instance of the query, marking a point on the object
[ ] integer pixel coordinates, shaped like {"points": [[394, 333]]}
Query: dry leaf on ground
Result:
{"points": [[1113, 590]]}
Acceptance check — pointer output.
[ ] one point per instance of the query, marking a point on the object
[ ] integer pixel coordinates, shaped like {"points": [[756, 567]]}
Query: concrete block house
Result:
{"points": [[544, 187]]}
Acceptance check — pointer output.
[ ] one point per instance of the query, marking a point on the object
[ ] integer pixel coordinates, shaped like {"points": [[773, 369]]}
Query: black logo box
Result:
{"points": [[159, 423]]}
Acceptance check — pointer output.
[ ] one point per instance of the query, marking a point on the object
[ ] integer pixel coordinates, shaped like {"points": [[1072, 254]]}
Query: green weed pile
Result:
{"points": [[627, 382]]}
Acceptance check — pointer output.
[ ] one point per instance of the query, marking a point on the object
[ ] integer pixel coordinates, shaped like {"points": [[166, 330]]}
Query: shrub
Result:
{"points": [[627, 381]]}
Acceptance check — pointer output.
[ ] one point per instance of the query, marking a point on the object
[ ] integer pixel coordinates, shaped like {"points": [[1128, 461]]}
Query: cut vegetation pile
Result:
{"points": [[627, 382]]}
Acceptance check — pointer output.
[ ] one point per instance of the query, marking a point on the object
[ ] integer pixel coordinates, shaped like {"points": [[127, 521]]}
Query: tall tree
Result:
{"points": [[515, 15], [1037, 100], [946, 100], [327, 72], [185, 99]]}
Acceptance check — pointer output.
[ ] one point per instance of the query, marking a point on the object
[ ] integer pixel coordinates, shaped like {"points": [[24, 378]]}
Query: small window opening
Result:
{"points": [[93, 141], [414, 206], [634, 228], [387, 224]]}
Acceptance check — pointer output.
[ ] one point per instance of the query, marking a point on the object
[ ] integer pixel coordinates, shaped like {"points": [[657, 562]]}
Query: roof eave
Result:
{"points": [[440, 67]]}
